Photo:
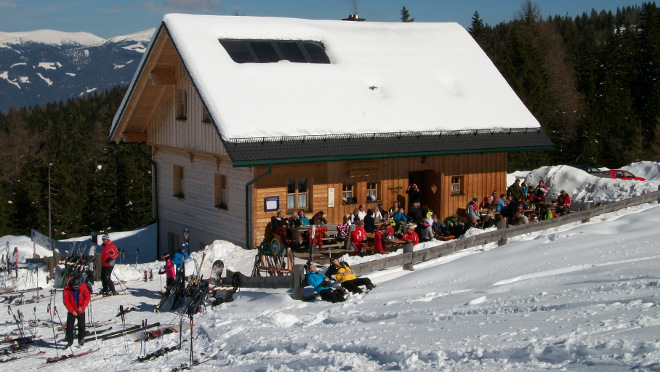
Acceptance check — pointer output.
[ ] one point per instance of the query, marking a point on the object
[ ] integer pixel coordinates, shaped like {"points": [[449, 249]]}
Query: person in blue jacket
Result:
{"points": [[179, 258], [323, 285]]}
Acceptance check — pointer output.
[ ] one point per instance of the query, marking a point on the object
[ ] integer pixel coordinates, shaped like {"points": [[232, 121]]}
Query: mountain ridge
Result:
{"points": [[42, 66]]}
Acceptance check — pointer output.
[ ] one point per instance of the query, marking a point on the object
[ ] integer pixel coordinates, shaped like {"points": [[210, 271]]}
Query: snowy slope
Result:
{"points": [[582, 297]]}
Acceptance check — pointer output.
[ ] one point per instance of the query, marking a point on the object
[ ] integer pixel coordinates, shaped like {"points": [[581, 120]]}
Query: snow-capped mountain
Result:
{"points": [[43, 66]]}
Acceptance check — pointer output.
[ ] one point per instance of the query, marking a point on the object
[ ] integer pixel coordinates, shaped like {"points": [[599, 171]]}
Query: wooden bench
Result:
{"points": [[445, 238]]}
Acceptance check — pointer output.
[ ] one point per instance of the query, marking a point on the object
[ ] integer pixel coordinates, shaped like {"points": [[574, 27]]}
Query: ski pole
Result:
{"points": [[191, 339], [52, 323], [62, 324], [123, 325], [91, 318]]}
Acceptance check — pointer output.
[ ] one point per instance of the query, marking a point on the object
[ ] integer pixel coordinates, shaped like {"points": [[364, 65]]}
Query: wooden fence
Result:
{"points": [[409, 257]]}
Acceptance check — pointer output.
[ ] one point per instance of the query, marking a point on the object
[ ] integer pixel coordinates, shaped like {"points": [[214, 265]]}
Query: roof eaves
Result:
{"points": [[131, 88]]}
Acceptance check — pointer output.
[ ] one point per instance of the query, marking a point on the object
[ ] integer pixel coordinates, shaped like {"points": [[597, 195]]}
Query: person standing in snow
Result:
{"points": [[322, 285], [179, 260], [169, 271], [76, 298], [108, 255]]}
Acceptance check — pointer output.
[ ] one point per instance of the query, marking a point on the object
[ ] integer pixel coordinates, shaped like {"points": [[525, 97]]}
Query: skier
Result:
{"points": [[180, 258], [108, 255], [169, 272], [76, 298]]}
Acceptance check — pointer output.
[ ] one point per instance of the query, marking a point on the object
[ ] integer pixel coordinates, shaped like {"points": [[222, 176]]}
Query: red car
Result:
{"points": [[622, 175]]}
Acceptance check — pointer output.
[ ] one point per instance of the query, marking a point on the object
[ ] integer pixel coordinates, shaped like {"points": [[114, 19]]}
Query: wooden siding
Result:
{"points": [[197, 210], [190, 134], [482, 173]]}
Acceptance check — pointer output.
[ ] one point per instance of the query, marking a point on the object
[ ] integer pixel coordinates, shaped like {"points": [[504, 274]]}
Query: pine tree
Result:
{"points": [[478, 31], [405, 16]]}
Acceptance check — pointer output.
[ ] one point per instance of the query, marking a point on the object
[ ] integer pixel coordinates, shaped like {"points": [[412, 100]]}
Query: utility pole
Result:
{"points": [[50, 239]]}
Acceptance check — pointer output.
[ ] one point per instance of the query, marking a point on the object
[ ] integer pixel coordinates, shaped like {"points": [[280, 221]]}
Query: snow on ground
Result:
{"points": [[581, 297]]}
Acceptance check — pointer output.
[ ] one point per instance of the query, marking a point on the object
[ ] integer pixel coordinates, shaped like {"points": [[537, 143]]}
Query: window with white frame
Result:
{"points": [[372, 192], [297, 194], [348, 193]]}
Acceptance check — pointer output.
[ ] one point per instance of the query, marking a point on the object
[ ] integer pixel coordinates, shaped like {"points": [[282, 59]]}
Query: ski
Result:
{"points": [[128, 331], [150, 335], [158, 353], [17, 357], [67, 357], [101, 297]]}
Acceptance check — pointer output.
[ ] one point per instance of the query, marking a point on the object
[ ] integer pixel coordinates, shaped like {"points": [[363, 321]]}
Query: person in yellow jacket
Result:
{"points": [[346, 276]]}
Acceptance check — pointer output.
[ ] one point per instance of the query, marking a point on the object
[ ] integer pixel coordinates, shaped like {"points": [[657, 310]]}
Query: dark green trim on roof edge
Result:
{"points": [[379, 156]]}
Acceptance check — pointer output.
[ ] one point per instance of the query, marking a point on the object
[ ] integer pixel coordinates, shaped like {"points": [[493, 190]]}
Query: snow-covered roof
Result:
{"points": [[382, 78]]}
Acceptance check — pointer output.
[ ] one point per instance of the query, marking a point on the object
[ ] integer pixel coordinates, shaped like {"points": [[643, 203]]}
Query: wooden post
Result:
{"points": [[503, 240], [586, 208], [407, 248], [298, 274], [97, 266]]}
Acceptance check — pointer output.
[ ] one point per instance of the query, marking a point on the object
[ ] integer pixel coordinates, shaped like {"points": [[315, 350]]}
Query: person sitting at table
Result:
{"points": [[451, 222], [485, 203], [519, 219], [387, 235], [322, 285], [415, 214], [472, 208], [304, 221], [439, 228], [488, 220], [394, 209], [280, 226], [294, 220], [410, 236], [319, 218], [492, 199], [354, 217], [343, 273], [399, 219], [547, 213], [500, 204], [369, 221], [361, 212], [563, 202], [426, 230], [471, 222], [358, 238], [377, 214], [342, 230]]}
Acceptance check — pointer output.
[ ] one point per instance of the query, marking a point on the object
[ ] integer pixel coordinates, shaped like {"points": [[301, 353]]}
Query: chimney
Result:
{"points": [[354, 17]]}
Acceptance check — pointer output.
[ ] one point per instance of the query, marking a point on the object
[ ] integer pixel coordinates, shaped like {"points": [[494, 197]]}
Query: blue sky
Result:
{"points": [[106, 18]]}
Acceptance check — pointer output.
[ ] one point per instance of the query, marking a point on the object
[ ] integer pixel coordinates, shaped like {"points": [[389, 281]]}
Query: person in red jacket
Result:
{"points": [[108, 255], [563, 202], [76, 298], [411, 236], [358, 238]]}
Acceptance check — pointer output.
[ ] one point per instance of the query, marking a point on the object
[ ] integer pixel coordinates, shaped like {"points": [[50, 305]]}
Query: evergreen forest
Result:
{"points": [[592, 81]]}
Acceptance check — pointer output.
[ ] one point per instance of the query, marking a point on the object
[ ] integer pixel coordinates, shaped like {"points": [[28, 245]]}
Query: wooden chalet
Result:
{"points": [[248, 115]]}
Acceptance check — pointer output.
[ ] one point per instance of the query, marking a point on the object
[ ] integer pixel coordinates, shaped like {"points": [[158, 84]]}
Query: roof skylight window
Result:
{"points": [[267, 51]]}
